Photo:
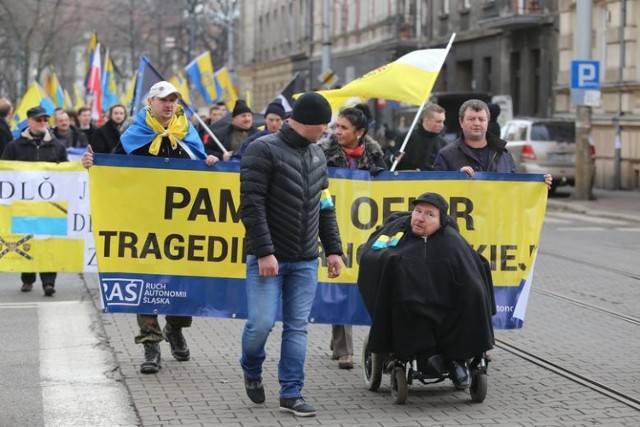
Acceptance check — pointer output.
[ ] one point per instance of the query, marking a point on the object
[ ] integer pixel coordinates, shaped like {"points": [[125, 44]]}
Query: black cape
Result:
{"points": [[431, 295]]}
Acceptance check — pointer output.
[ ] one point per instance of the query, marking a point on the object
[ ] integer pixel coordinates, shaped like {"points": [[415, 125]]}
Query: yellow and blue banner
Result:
{"points": [[226, 91], [39, 217], [179, 249], [34, 96], [200, 72], [45, 222]]}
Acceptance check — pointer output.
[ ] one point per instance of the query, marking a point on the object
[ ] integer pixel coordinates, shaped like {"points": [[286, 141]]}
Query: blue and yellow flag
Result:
{"points": [[109, 84], [34, 96], [78, 97], [39, 217], [227, 92], [127, 97], [68, 101], [200, 71], [53, 88], [182, 85]]}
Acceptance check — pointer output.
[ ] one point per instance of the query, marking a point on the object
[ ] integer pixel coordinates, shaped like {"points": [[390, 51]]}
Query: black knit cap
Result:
{"points": [[312, 109], [436, 200], [240, 108], [275, 108]]}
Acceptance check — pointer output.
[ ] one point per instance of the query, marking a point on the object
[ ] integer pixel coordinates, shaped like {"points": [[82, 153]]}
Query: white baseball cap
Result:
{"points": [[162, 90]]}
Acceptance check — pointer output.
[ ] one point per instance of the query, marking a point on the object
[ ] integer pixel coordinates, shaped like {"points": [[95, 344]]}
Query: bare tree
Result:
{"points": [[35, 34]]}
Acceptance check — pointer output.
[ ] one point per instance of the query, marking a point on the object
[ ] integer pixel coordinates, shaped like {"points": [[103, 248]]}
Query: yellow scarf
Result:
{"points": [[176, 129]]}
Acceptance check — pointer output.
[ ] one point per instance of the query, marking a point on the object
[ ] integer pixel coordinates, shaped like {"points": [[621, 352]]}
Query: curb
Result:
{"points": [[590, 211]]}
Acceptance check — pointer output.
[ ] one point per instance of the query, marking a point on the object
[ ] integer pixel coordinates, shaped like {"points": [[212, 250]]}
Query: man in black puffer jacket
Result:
{"points": [[36, 144], [285, 205]]}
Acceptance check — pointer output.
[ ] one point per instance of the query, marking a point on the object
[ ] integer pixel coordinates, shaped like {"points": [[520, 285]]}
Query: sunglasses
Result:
{"points": [[41, 119]]}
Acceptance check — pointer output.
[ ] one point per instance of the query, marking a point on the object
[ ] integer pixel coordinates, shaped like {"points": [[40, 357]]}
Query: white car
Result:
{"points": [[543, 146]]}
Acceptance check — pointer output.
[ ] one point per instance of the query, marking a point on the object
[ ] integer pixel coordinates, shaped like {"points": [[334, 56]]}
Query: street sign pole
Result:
{"points": [[584, 79]]}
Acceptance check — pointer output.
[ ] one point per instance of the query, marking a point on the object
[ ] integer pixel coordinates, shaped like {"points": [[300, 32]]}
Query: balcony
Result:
{"points": [[516, 14]]}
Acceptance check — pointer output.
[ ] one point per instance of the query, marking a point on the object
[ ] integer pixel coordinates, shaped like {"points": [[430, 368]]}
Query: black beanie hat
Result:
{"points": [[240, 107], [275, 108], [312, 109], [436, 200]]}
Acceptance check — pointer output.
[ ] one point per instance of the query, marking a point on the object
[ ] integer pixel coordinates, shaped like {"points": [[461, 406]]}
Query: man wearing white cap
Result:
{"points": [[160, 129]]}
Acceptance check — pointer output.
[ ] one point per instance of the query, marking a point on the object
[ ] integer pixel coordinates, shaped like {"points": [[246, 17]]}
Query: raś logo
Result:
{"points": [[122, 291]]}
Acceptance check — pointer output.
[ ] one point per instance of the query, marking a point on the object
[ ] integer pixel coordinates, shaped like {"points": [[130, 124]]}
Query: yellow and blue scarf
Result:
{"points": [[146, 128]]}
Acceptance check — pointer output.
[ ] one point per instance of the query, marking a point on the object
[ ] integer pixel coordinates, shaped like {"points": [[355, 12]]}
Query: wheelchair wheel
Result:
{"points": [[371, 367], [399, 387], [478, 388]]}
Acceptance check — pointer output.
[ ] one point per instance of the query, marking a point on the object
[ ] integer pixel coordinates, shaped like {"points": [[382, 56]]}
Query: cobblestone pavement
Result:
{"points": [[208, 390]]}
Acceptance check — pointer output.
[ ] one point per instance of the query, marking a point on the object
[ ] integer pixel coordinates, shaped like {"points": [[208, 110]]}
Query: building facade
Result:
{"points": [[502, 46], [616, 122], [520, 48]]}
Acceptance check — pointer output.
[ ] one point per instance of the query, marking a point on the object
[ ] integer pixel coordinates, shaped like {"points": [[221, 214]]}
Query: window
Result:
{"points": [[445, 7]]}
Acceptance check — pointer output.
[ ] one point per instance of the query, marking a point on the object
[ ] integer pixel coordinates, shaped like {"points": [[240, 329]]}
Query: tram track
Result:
{"points": [[570, 374], [624, 273], [574, 375], [625, 317]]}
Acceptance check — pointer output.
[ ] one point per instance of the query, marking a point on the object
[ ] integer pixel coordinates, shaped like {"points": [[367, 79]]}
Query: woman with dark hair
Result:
{"points": [[350, 147], [107, 136]]}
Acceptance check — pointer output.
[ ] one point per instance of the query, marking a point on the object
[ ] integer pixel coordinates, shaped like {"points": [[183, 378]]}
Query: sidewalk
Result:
{"points": [[608, 204]]}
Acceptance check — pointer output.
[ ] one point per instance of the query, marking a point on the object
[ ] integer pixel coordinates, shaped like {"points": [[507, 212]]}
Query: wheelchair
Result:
{"points": [[405, 372]]}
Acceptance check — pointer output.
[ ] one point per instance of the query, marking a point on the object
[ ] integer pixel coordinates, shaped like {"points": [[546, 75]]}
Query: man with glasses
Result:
{"points": [[36, 144]]}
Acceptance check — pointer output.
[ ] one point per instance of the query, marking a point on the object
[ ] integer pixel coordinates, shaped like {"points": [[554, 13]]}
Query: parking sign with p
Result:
{"points": [[585, 75], [585, 83]]}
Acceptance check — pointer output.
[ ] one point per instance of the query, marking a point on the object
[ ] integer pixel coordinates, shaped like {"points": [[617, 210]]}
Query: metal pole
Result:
{"points": [[193, 24], [617, 174], [584, 168], [326, 36], [415, 119], [230, 63], [419, 23]]}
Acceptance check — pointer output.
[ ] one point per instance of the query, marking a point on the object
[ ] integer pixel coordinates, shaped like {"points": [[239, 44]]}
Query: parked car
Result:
{"points": [[544, 146]]}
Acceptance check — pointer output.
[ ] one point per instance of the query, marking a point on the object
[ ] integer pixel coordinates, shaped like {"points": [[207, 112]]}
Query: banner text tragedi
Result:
{"points": [[174, 247]]}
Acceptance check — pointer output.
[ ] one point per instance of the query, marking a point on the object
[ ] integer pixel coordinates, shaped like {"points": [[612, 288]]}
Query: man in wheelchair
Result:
{"points": [[427, 291]]}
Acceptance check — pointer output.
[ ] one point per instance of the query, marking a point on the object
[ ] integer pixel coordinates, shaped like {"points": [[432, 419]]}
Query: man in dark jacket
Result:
{"points": [[477, 150], [273, 118], [427, 291], [425, 141], [35, 144], [85, 124], [6, 111], [65, 132], [285, 205], [233, 134]]}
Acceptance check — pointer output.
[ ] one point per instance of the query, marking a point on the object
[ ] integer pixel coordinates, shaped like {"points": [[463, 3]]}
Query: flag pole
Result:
{"points": [[415, 119], [205, 127]]}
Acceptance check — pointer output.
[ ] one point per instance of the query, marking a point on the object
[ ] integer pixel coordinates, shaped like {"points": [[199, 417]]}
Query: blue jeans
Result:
{"points": [[295, 284]]}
